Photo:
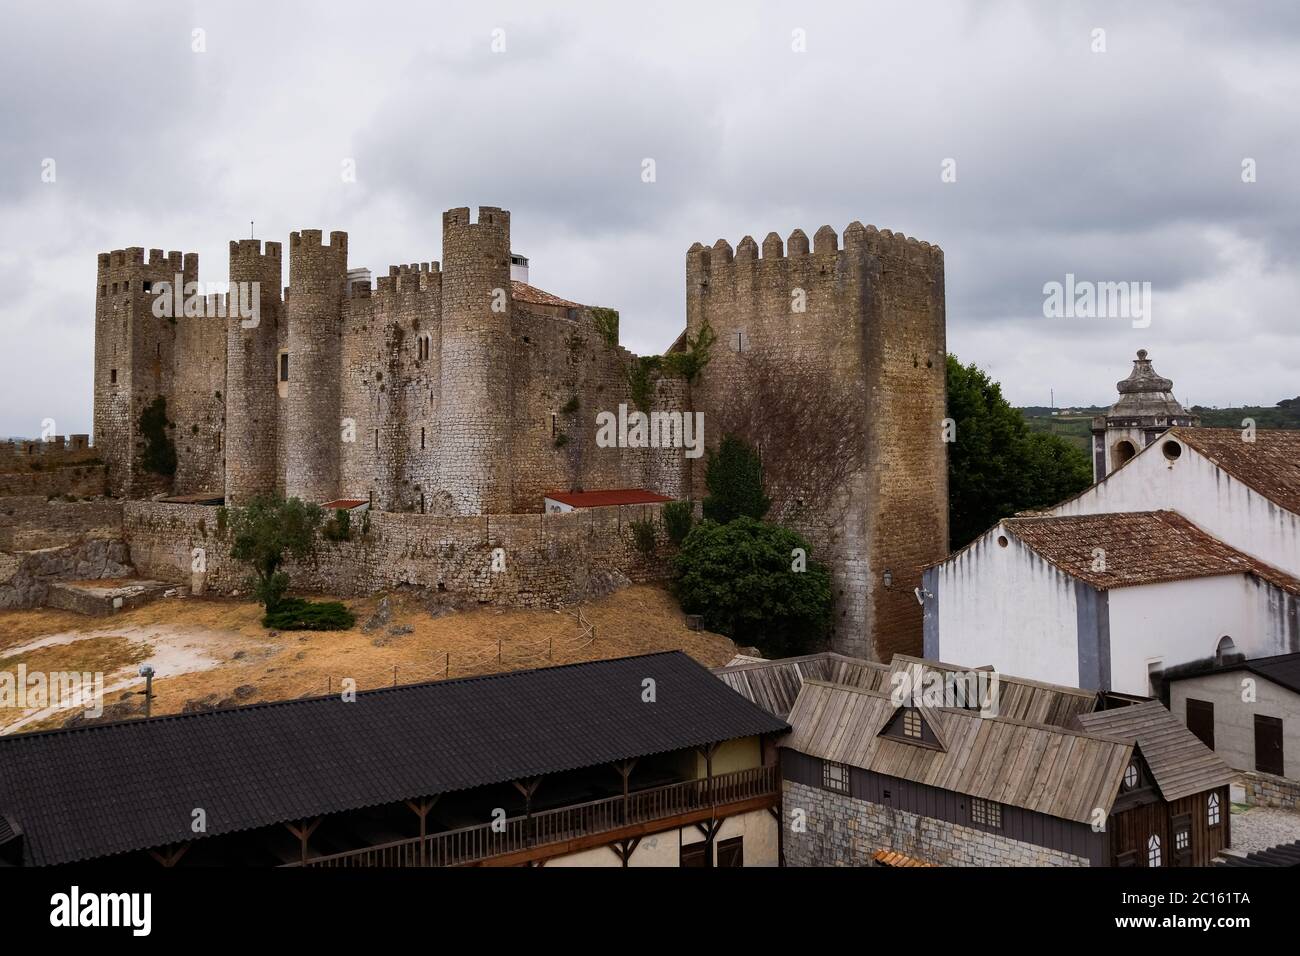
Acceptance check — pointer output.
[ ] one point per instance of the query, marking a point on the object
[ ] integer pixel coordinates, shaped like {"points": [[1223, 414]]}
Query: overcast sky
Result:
{"points": [[1122, 165]]}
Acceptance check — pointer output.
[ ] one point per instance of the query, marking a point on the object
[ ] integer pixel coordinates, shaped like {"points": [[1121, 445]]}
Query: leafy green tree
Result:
{"points": [[159, 455], [996, 466], [734, 477], [741, 578], [265, 533]]}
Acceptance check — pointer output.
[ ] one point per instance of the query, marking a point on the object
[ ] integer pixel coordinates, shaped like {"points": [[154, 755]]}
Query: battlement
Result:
{"points": [[704, 260], [312, 261], [250, 251], [132, 260]]}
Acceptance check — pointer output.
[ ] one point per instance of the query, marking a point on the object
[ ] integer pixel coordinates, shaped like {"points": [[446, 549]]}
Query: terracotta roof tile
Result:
{"points": [[1144, 547], [523, 292], [1270, 464]]}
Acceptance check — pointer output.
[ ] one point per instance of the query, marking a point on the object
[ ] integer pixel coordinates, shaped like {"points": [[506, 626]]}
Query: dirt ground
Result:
{"points": [[214, 651]]}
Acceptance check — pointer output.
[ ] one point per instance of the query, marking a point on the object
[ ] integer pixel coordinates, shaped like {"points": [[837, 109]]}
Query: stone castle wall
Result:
{"points": [[548, 559], [845, 831], [858, 332], [134, 355]]}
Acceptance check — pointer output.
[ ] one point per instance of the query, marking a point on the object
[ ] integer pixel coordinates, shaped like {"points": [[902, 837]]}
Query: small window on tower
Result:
{"points": [[147, 285], [284, 366], [112, 376], [114, 288]]}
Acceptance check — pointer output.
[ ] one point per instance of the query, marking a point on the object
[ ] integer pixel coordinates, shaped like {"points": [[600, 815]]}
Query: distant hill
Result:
{"points": [[1075, 424]]}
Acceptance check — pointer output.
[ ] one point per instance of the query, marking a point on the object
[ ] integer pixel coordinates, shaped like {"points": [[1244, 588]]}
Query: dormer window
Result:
{"points": [[912, 724], [1131, 775]]}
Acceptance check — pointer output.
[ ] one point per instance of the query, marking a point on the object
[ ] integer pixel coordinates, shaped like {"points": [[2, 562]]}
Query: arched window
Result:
{"points": [[1124, 450], [1212, 810], [1225, 650], [1131, 776], [1153, 851]]}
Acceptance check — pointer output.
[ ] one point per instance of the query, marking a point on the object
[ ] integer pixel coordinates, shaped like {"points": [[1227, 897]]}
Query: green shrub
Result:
{"points": [[690, 362], [643, 535], [606, 322], [339, 527], [570, 406], [561, 439], [734, 477], [740, 578], [159, 455], [295, 614], [678, 518]]}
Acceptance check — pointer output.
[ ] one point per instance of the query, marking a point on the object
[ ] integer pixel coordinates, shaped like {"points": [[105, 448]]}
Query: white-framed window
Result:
{"points": [[835, 776], [1212, 810], [1131, 775], [986, 813], [1182, 840], [1153, 850]]}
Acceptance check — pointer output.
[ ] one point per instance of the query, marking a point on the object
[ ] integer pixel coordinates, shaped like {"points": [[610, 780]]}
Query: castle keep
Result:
{"points": [[453, 389]]}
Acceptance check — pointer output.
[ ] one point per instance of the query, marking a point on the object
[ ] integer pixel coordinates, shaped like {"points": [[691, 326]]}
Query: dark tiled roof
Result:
{"points": [[1181, 764], [614, 496], [108, 788], [1141, 547], [1286, 854], [1283, 670], [1270, 464], [523, 292]]}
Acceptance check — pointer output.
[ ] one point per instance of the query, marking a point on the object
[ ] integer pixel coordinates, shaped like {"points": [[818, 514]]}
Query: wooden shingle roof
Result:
{"points": [[1139, 547], [1019, 698], [1051, 770], [1180, 763], [774, 685]]}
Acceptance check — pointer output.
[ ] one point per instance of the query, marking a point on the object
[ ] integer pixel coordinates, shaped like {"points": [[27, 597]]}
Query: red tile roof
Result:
{"points": [[614, 496], [346, 504], [1270, 464], [523, 292], [1145, 547]]}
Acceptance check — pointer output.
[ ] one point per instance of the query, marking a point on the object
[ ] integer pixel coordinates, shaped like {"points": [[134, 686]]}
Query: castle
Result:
{"points": [[455, 388]]}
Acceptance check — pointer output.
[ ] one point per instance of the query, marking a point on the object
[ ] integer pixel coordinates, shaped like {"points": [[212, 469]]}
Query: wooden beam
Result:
{"points": [[421, 809], [587, 841], [303, 832], [169, 856]]}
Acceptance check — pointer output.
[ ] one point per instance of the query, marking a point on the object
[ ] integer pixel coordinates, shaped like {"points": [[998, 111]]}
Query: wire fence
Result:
{"points": [[490, 659]]}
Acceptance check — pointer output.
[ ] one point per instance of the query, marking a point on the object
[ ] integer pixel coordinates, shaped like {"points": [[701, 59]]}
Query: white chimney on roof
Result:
{"points": [[518, 268]]}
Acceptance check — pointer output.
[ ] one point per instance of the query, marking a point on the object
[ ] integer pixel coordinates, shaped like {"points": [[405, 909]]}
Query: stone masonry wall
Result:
{"points": [[843, 831], [1269, 790], [859, 331], [549, 559]]}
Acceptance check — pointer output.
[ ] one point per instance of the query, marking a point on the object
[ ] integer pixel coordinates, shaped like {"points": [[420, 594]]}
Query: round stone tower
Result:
{"points": [[1145, 410], [317, 276], [251, 369], [475, 378]]}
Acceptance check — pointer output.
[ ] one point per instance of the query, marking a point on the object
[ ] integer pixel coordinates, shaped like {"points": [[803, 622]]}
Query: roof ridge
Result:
{"points": [[318, 698]]}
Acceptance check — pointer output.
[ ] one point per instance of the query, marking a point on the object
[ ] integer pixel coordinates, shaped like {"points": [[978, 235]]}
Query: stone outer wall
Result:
{"points": [[843, 831], [83, 481], [1269, 790], [32, 522], [870, 345], [25, 576], [549, 559]]}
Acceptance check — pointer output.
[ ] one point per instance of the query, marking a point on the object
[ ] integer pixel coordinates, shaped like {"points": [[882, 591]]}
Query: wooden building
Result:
{"points": [[1051, 776], [639, 761], [1173, 806]]}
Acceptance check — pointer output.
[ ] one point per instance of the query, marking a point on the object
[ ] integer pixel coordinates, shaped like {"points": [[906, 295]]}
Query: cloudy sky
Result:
{"points": [[1122, 165]]}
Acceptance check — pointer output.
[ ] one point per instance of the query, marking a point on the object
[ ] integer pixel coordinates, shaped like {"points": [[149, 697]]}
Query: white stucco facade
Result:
{"points": [[1003, 606], [1203, 493]]}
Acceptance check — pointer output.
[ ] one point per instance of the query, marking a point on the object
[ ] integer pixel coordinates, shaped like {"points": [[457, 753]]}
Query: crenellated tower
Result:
{"points": [[830, 360], [134, 357], [317, 278], [252, 371], [474, 461]]}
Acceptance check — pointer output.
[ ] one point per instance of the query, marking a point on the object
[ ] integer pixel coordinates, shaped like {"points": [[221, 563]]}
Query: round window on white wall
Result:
{"points": [[1172, 450]]}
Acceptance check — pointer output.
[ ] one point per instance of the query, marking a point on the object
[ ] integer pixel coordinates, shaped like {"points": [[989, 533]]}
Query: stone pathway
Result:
{"points": [[1258, 828]]}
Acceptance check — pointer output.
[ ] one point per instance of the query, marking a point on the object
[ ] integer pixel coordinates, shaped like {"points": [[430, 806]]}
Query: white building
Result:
{"points": [[1191, 542]]}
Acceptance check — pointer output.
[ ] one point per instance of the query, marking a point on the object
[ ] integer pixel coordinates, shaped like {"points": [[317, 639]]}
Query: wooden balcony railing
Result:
{"points": [[515, 834]]}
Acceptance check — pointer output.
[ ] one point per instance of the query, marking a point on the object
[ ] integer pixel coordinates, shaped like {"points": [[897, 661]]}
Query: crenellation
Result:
{"points": [[444, 393]]}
